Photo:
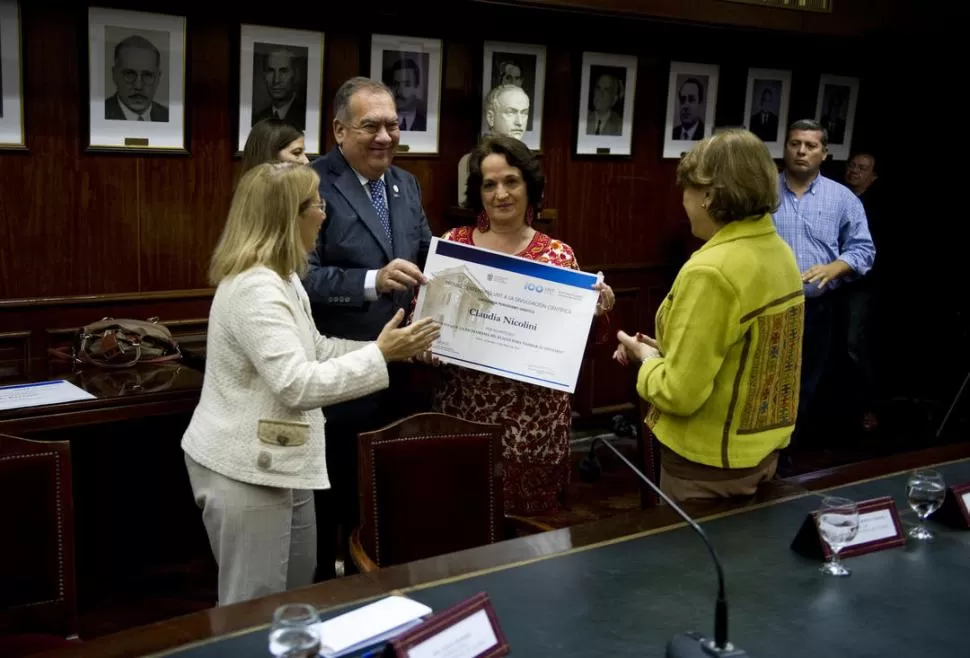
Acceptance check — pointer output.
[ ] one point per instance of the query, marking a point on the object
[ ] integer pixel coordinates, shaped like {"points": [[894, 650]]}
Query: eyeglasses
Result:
{"points": [[374, 128], [147, 77]]}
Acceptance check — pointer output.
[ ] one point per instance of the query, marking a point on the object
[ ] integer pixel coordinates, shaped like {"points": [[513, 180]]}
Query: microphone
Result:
{"points": [[690, 644]]}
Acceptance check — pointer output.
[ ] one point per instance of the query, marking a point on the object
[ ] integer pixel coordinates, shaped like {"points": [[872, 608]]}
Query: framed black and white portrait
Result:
{"points": [[691, 104], [766, 107], [605, 123], [281, 77], [411, 67], [505, 110], [835, 110], [136, 81], [12, 134]]}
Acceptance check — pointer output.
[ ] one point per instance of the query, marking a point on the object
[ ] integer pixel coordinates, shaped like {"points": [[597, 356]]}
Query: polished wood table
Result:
{"points": [[136, 524], [622, 586]]}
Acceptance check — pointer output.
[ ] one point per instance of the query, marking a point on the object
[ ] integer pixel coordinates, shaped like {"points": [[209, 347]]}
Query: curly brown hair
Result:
{"points": [[517, 155]]}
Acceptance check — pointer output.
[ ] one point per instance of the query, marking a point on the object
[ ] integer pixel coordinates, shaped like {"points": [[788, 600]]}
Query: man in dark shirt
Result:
{"points": [[862, 295]]}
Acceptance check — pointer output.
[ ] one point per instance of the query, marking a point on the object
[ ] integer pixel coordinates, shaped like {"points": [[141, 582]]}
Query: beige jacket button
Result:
{"points": [[264, 460], [282, 439]]}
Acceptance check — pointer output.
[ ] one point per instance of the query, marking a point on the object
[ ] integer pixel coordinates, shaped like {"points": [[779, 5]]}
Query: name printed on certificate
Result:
{"points": [[507, 315]]}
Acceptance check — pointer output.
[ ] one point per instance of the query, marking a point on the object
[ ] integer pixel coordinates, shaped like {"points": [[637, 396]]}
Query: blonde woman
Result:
{"points": [[722, 376], [254, 448]]}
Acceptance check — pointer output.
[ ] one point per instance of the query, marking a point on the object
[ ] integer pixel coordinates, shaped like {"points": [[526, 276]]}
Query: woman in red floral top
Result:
{"points": [[505, 186]]}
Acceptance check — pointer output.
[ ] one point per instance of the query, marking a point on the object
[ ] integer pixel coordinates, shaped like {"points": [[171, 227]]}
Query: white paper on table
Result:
{"points": [[371, 624], [38, 394], [506, 315], [874, 526]]}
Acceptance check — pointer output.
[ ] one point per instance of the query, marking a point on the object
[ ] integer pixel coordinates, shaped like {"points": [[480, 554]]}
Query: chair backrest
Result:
{"points": [[37, 591], [430, 484]]}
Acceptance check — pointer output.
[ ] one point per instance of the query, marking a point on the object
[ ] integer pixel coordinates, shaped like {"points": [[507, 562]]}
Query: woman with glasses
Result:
{"points": [[255, 447]]}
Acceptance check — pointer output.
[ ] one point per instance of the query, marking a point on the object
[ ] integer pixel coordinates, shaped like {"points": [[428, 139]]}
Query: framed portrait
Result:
{"points": [[691, 102], [766, 107], [281, 76], [835, 109], [514, 112], [136, 81], [605, 123], [12, 135], [411, 67]]}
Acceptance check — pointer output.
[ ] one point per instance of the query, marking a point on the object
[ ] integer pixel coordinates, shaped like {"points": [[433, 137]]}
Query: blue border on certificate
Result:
{"points": [[574, 278], [511, 372]]}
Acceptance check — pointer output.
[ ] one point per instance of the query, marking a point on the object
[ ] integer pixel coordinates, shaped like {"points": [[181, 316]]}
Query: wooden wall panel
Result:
{"points": [[92, 229]]}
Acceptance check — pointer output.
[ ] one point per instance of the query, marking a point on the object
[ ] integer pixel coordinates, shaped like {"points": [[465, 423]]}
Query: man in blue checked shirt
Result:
{"points": [[825, 225]]}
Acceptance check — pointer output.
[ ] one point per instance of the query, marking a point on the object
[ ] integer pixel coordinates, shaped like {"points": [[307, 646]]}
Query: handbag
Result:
{"points": [[121, 343]]}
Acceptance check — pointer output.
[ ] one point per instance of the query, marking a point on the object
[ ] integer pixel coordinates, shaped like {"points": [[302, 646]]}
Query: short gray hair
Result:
{"points": [[341, 101], [812, 125]]}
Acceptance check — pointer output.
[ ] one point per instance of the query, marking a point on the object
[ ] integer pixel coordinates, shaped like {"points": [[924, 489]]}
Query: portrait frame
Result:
{"points": [[680, 72], [258, 41], [426, 54], [533, 83], [840, 136], [113, 125], [13, 135], [617, 137], [779, 82]]}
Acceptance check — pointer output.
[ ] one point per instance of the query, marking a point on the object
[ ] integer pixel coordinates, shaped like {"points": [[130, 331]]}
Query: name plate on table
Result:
{"points": [[956, 506], [879, 528], [469, 629], [508, 316]]}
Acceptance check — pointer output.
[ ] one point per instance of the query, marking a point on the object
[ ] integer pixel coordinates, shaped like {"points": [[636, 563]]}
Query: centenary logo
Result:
{"points": [[533, 287]]}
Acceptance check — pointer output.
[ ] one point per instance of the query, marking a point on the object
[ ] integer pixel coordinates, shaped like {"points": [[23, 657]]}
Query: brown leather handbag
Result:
{"points": [[122, 343]]}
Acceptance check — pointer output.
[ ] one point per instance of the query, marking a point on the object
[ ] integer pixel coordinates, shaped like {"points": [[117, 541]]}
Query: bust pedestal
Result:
{"points": [[462, 177]]}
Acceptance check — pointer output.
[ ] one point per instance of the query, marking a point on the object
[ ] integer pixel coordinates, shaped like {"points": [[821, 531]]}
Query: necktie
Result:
{"points": [[599, 126], [404, 124], [380, 205], [141, 118]]}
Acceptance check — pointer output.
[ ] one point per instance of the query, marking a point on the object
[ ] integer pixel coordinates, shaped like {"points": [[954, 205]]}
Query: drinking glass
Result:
{"points": [[294, 634], [925, 491], [838, 524]]}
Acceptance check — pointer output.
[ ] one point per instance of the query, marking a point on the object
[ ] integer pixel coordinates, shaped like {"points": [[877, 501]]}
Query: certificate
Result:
{"points": [[507, 315]]}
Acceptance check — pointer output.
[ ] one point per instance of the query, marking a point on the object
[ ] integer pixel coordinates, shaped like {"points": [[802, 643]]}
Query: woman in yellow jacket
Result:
{"points": [[722, 375]]}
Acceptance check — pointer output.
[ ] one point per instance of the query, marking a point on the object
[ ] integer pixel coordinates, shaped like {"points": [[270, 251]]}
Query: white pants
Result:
{"points": [[264, 539]]}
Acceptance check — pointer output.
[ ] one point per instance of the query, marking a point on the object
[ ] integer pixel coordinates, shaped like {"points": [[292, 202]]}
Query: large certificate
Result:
{"points": [[507, 315]]}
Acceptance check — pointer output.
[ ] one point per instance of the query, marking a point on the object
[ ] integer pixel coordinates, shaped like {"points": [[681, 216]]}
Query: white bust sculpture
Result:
{"points": [[506, 112]]}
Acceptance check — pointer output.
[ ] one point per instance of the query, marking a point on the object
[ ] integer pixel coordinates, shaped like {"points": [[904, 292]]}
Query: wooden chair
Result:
{"points": [[430, 484], [37, 590]]}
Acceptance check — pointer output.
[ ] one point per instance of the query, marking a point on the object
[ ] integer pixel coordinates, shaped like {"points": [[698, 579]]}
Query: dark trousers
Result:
{"points": [[338, 508], [821, 314], [860, 306]]}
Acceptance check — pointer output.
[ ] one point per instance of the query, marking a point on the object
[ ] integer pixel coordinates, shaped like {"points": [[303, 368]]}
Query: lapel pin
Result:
{"points": [[394, 187]]}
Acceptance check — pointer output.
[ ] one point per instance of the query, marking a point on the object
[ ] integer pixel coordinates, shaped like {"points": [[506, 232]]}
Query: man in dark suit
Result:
{"points": [[136, 73], [404, 79], [366, 265], [764, 122], [282, 80], [691, 97]]}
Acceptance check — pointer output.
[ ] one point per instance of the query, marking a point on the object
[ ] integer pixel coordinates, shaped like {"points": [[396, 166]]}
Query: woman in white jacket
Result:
{"points": [[254, 448]]}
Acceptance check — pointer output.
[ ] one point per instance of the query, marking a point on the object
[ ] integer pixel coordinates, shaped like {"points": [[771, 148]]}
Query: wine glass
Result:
{"points": [[838, 524], [925, 491], [294, 633]]}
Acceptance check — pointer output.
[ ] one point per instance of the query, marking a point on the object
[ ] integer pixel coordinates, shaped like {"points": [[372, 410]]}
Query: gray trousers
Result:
{"points": [[264, 539]]}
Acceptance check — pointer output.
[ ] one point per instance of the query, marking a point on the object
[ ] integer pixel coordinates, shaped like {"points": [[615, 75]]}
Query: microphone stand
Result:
{"points": [[683, 645]]}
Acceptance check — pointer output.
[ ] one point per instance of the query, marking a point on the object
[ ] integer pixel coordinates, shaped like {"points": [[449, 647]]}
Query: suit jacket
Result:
{"points": [[698, 132], [612, 126], [113, 112], [352, 241], [268, 372], [295, 116], [766, 130], [420, 120]]}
